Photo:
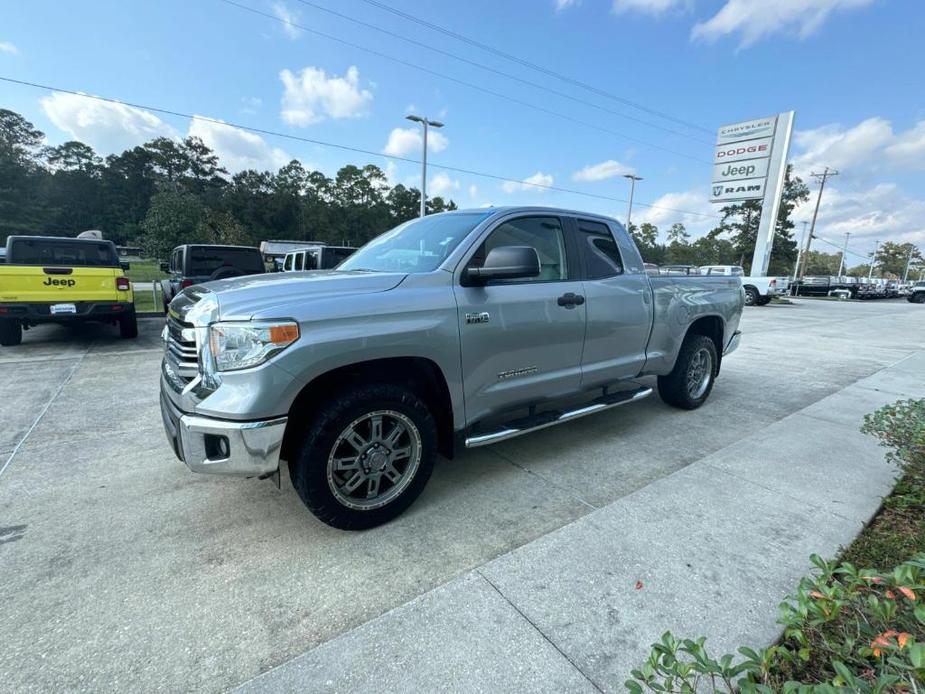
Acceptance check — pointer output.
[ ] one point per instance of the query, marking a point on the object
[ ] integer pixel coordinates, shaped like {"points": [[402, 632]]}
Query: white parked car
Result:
{"points": [[758, 290]]}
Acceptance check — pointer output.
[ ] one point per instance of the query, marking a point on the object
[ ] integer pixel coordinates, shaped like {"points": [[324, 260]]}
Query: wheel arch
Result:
{"points": [[420, 373], [713, 327]]}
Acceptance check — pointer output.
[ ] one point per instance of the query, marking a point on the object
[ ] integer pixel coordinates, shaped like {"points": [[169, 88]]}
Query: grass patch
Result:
{"points": [[144, 302], [857, 624], [145, 271]]}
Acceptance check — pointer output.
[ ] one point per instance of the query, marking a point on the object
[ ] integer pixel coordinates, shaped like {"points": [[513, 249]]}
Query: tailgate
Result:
{"points": [[37, 284]]}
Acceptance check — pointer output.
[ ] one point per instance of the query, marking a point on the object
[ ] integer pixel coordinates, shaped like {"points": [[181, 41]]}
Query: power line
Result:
{"points": [[334, 145], [464, 83], [495, 71], [534, 66]]}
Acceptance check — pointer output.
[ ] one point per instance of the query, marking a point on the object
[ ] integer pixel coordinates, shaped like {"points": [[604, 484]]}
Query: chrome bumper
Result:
{"points": [[733, 343], [223, 447]]}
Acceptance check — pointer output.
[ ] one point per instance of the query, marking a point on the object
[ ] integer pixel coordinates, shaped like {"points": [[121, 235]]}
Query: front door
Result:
{"points": [[521, 339]]}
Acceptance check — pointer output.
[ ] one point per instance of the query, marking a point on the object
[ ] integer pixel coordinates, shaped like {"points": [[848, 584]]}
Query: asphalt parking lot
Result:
{"points": [[119, 568]]}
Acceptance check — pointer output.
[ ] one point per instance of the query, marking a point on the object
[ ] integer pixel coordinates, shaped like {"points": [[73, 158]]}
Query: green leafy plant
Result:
{"points": [[845, 628]]}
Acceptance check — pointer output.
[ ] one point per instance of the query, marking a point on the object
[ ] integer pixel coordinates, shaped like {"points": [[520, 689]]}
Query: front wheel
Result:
{"points": [[366, 456], [10, 332], [691, 380]]}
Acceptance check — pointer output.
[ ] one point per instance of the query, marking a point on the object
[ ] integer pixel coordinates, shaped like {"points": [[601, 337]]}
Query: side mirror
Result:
{"points": [[165, 267], [506, 263], [125, 266]]}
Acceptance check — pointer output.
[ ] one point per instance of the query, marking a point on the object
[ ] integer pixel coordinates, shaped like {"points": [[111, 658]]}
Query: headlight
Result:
{"points": [[243, 345]]}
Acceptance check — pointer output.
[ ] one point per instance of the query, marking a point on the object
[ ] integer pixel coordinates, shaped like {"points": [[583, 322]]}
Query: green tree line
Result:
{"points": [[166, 192]]}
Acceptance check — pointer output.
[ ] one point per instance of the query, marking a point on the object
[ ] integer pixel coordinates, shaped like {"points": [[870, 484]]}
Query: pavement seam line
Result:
{"points": [[552, 484], [48, 404], [539, 631]]}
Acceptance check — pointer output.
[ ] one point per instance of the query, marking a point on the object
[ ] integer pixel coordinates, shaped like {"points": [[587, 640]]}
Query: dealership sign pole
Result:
{"points": [[750, 163]]}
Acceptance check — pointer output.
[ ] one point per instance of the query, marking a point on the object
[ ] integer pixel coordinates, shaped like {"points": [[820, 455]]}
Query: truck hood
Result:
{"points": [[269, 295]]}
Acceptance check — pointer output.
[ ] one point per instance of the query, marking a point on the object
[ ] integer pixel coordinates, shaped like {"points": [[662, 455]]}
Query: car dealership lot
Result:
{"points": [[119, 567]]}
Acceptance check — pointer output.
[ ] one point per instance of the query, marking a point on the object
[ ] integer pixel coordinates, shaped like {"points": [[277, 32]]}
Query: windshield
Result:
{"points": [[416, 246]]}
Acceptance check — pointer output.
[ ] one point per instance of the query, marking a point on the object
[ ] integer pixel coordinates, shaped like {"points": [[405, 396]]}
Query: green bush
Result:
{"points": [[845, 628]]}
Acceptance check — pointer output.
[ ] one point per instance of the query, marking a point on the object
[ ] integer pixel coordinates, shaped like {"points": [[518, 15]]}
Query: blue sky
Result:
{"points": [[851, 69]]}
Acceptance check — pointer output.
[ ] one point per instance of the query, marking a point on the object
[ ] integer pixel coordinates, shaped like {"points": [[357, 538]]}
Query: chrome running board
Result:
{"points": [[550, 419]]}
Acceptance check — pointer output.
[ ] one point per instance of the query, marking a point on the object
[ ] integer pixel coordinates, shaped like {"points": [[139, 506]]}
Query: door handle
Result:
{"points": [[571, 299]]}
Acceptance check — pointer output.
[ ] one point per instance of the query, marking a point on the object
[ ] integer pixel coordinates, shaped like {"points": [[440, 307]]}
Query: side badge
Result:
{"points": [[482, 317]]}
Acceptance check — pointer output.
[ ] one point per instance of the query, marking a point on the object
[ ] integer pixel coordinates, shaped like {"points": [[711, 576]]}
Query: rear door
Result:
{"points": [[619, 306], [520, 339]]}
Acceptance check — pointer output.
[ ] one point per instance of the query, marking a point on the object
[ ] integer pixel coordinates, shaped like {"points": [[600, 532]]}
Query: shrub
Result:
{"points": [[845, 628]]}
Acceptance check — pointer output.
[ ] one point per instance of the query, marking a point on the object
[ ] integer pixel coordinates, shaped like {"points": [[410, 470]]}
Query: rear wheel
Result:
{"points": [[751, 296], [366, 456], [691, 380], [128, 325], [10, 332]]}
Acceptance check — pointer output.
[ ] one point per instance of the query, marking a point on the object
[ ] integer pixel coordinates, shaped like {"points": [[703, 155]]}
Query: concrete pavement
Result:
{"points": [[128, 571]]}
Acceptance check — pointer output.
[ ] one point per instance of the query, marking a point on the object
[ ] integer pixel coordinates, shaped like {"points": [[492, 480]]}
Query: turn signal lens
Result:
{"points": [[284, 334]]}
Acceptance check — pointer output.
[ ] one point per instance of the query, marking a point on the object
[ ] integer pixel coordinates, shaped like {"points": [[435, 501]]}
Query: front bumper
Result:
{"points": [[223, 447], [733, 343]]}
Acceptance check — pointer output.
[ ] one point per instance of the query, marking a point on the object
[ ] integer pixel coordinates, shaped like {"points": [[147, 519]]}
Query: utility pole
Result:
{"points": [[426, 123], [796, 265], [908, 261], [629, 210], [842, 263], [873, 259], [812, 227]]}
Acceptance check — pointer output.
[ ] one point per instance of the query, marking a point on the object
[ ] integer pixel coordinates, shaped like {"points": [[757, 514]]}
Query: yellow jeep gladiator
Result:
{"points": [[47, 279]]}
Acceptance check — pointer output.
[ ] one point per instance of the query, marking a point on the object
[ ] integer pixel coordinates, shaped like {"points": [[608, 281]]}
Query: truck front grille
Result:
{"points": [[181, 348]]}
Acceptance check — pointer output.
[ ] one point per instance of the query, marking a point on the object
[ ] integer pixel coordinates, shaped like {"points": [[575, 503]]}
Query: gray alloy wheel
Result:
{"points": [[374, 459], [699, 373], [751, 296]]}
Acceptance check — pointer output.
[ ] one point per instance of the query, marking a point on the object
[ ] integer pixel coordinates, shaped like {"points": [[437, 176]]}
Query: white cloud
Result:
{"points": [[107, 127], [565, 4], [311, 96], [882, 213], [871, 146], [251, 104], [289, 19], [600, 172], [655, 7], [687, 207], [442, 185], [7, 47], [473, 191], [757, 19], [238, 149], [405, 141], [535, 183]]}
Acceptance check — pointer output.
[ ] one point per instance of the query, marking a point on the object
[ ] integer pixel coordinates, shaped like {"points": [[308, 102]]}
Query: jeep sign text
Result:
{"points": [[51, 282], [746, 168]]}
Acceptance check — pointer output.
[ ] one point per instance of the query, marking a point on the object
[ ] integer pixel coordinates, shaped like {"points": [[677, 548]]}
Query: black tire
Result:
{"points": [[309, 472], [675, 388], [128, 326], [224, 273], [762, 301], [918, 298], [10, 332], [751, 296]]}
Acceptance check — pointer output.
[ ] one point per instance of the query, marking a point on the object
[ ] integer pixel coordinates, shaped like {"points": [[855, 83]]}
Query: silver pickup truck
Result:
{"points": [[452, 331]]}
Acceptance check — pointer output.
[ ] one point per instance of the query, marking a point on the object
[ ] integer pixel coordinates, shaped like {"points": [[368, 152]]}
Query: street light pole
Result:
{"points": [[842, 262], [908, 262], [629, 210], [873, 259], [426, 123]]}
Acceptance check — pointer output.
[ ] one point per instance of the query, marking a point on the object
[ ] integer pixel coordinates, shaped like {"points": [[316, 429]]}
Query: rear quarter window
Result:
{"points": [[602, 257]]}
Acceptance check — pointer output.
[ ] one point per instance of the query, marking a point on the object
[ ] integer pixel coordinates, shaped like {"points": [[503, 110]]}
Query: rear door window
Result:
{"points": [[602, 257], [204, 260], [299, 261], [62, 252]]}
